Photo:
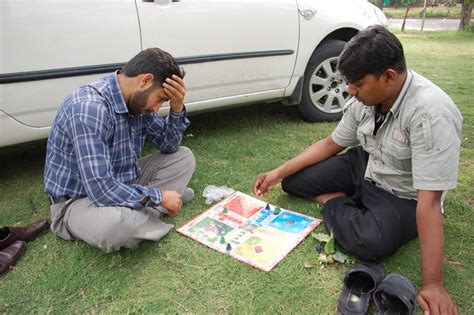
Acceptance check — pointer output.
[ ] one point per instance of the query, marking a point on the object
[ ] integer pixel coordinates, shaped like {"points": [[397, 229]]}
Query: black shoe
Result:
{"points": [[359, 284], [395, 295]]}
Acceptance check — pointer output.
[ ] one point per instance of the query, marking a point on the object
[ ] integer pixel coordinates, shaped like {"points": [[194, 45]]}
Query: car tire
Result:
{"points": [[324, 91]]}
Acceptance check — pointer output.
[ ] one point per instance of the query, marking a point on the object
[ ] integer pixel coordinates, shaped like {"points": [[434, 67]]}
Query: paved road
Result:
{"points": [[430, 24]]}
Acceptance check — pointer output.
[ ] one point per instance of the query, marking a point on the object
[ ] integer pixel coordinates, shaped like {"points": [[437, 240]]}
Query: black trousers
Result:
{"points": [[369, 222]]}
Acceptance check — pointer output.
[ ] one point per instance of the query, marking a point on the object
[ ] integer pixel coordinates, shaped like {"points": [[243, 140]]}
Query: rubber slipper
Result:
{"points": [[359, 284], [395, 295]]}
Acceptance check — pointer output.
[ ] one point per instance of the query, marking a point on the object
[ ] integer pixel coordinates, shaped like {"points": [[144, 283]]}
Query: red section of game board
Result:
{"points": [[239, 206], [224, 217]]}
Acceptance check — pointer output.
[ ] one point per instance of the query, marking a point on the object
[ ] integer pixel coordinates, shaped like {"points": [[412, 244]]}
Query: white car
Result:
{"points": [[233, 51]]}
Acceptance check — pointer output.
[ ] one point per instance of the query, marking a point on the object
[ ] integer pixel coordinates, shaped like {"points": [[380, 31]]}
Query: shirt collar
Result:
{"points": [[395, 109], [118, 102]]}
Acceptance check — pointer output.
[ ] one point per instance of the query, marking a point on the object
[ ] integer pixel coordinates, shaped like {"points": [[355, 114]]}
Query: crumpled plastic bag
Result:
{"points": [[214, 193]]}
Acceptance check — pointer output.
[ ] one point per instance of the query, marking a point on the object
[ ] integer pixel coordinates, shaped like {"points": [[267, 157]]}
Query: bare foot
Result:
{"points": [[322, 199]]}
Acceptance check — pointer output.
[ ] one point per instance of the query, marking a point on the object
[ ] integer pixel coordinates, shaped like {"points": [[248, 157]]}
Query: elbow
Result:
{"points": [[169, 149], [334, 147]]}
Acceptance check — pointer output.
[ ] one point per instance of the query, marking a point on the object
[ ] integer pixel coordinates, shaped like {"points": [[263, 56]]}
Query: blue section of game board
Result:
{"points": [[261, 216], [291, 222]]}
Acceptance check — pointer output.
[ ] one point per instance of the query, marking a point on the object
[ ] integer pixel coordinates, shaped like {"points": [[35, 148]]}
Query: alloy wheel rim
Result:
{"points": [[327, 90]]}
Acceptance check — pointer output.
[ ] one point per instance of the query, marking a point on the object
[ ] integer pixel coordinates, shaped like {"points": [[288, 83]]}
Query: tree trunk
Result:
{"points": [[424, 16], [379, 3], [465, 15], [405, 18]]}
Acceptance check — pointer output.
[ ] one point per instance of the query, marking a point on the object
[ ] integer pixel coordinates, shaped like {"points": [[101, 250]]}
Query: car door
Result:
{"points": [[229, 48], [50, 47]]}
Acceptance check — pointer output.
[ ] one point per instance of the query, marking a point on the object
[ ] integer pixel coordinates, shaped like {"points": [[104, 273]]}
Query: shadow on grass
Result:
{"points": [[22, 160], [254, 115]]}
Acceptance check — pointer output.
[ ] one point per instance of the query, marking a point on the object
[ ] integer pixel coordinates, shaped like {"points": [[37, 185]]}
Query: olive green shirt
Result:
{"points": [[418, 144]]}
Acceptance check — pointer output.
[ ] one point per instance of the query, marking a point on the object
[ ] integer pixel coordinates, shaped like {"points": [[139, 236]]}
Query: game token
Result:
{"points": [[252, 231], [318, 248]]}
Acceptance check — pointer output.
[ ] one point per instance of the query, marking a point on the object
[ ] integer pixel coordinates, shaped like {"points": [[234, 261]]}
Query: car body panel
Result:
{"points": [[234, 52], [328, 18], [237, 35], [49, 35]]}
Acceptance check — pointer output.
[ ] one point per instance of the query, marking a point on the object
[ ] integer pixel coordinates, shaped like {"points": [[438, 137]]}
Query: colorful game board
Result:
{"points": [[250, 230]]}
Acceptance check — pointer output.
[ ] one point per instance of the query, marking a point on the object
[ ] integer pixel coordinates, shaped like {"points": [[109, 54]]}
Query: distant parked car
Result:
{"points": [[233, 51]]}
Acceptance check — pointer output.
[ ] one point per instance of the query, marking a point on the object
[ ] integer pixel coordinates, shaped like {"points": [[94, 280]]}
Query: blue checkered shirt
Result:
{"points": [[95, 143]]}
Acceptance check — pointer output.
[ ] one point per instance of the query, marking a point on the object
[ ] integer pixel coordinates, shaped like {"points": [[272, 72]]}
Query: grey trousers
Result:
{"points": [[110, 228]]}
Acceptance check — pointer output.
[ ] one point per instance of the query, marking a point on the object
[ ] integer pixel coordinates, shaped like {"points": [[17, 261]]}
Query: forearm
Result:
{"points": [[102, 184], [430, 234], [111, 192], [167, 134], [315, 153]]}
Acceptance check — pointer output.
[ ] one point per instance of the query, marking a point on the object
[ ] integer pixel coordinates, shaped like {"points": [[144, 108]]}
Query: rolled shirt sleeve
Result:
{"points": [[435, 144], [167, 134], [345, 133]]}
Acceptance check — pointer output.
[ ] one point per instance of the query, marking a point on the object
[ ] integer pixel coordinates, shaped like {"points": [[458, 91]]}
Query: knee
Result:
{"points": [[360, 232], [288, 185], [187, 157], [371, 248], [112, 233]]}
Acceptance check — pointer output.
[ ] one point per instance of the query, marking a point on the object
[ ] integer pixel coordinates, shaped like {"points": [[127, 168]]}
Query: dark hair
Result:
{"points": [[155, 61], [371, 51]]}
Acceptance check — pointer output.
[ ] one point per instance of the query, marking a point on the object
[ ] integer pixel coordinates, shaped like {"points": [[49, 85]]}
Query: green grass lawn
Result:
{"points": [[417, 12], [178, 275]]}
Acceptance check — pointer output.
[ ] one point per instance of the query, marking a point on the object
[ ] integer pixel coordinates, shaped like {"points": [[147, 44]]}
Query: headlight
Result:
{"points": [[380, 16]]}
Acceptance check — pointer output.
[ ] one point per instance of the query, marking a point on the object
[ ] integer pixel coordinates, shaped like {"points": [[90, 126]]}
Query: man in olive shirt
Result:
{"points": [[385, 192]]}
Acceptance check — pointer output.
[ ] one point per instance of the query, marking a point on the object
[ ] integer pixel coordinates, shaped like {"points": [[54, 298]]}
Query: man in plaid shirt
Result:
{"points": [[101, 191]]}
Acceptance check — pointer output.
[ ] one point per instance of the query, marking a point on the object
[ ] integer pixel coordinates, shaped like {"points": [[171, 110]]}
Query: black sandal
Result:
{"points": [[359, 284], [395, 295]]}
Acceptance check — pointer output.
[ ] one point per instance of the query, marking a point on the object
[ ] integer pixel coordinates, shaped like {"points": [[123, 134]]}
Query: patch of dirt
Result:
{"points": [[470, 202]]}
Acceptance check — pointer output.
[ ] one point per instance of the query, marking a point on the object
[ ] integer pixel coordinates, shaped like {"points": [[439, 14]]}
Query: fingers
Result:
{"points": [[264, 181], [444, 305], [455, 311], [172, 202], [174, 88], [260, 186], [434, 300], [256, 185], [429, 307], [173, 212], [450, 306], [179, 205], [423, 305]]}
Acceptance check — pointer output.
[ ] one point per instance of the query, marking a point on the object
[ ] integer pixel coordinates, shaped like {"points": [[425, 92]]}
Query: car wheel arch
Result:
{"points": [[344, 34], [335, 42]]}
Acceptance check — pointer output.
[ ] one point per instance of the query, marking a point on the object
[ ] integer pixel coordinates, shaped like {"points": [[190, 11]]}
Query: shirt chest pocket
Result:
{"points": [[398, 155], [366, 139]]}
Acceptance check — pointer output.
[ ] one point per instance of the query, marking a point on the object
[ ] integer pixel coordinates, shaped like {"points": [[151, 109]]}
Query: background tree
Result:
{"points": [[465, 14], [379, 3]]}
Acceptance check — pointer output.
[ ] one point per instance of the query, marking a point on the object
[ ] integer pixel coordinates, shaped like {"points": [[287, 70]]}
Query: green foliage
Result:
{"points": [[329, 247], [321, 237], [178, 275], [431, 12], [328, 250], [342, 258]]}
